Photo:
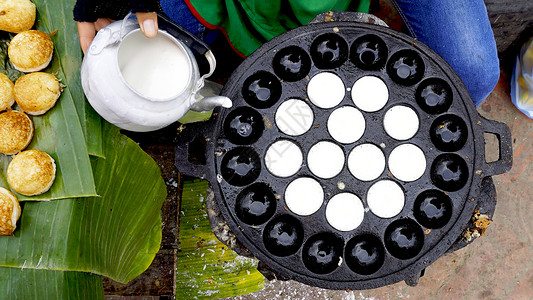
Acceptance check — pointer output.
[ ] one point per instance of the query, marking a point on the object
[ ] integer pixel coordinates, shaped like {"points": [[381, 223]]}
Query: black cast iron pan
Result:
{"points": [[229, 151]]}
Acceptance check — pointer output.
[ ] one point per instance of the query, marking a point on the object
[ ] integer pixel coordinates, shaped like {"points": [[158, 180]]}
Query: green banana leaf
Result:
{"points": [[57, 15], [58, 133], [44, 284], [206, 268], [116, 235]]}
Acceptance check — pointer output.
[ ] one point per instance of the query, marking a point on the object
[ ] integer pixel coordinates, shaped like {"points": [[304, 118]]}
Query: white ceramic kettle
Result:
{"points": [[142, 84]]}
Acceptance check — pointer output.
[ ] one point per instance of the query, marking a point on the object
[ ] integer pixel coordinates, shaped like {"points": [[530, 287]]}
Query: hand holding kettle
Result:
{"points": [[87, 30], [144, 85]]}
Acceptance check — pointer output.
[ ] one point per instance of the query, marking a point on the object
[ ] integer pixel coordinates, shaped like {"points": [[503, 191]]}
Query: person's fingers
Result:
{"points": [[86, 31], [101, 23], [148, 23]]}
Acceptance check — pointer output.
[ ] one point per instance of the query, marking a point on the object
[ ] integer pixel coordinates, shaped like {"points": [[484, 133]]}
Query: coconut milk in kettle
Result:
{"points": [[142, 84]]}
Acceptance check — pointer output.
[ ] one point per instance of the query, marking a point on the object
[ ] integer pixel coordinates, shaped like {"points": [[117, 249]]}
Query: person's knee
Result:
{"points": [[480, 75]]}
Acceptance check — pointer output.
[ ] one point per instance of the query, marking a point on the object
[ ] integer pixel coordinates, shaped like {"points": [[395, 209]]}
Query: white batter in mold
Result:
{"points": [[407, 162], [283, 158], [345, 212], [304, 196], [325, 159], [326, 90], [370, 93], [366, 162], [346, 124], [156, 68], [401, 122], [294, 117], [385, 199]]}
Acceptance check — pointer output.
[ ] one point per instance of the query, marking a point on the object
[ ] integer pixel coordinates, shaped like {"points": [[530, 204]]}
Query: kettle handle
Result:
{"points": [[199, 48]]}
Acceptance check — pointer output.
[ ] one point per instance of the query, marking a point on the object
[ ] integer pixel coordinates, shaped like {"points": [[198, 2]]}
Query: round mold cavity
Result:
{"points": [[434, 96], [325, 159], [261, 90], [370, 93], [448, 133], [407, 162], [326, 90], [294, 117], [401, 122], [322, 253], [366, 162], [433, 209], [346, 124], [364, 254], [304, 196], [404, 238], [369, 52], [240, 166], [385, 199], [329, 51], [406, 67], [243, 126], [283, 235], [291, 63], [449, 172], [345, 212], [256, 204], [283, 158]]}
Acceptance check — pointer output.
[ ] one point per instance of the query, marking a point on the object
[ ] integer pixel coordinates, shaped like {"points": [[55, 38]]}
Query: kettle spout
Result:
{"points": [[208, 103]]}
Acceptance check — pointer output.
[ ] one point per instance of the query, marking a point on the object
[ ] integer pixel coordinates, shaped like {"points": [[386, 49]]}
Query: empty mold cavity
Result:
{"points": [[345, 212], [369, 52], [407, 162], [325, 159], [405, 67], [448, 133], [256, 204], [364, 254], [366, 162], [240, 166], [291, 63], [346, 124], [283, 158], [434, 96], [401, 122], [304, 196], [294, 117], [404, 239], [449, 172], [329, 51], [322, 253], [370, 93], [243, 126], [326, 90], [283, 236], [385, 199], [261, 90], [433, 209]]}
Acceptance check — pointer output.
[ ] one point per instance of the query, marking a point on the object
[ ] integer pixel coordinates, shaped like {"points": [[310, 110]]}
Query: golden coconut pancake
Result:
{"points": [[9, 212], [31, 172], [30, 51], [16, 132], [17, 15], [37, 92], [7, 97]]}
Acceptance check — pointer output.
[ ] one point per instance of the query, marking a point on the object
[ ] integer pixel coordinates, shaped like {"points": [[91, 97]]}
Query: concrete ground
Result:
{"points": [[496, 266]]}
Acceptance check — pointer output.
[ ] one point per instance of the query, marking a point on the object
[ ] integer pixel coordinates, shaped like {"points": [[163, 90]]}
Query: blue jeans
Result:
{"points": [[460, 32], [179, 12]]}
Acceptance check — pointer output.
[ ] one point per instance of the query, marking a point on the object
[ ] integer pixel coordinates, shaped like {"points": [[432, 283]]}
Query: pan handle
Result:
{"points": [[505, 157], [194, 144]]}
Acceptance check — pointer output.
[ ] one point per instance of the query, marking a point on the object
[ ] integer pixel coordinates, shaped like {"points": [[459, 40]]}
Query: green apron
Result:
{"points": [[250, 23]]}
